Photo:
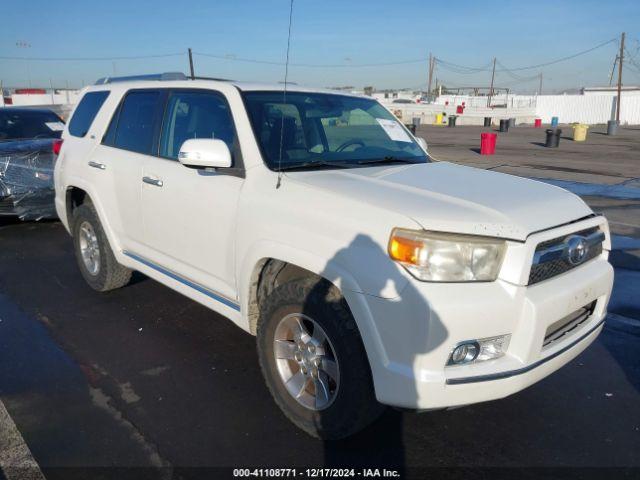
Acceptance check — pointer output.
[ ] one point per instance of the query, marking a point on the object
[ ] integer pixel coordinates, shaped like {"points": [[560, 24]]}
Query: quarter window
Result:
{"points": [[195, 115], [136, 122], [85, 112]]}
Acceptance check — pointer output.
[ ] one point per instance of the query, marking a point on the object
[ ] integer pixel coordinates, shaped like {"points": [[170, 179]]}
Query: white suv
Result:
{"points": [[370, 274]]}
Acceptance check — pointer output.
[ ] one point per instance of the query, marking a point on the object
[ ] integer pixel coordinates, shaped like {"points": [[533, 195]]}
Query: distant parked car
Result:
{"points": [[403, 100], [29, 140]]}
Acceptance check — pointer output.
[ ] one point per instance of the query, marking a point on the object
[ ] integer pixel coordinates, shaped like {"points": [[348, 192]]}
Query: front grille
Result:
{"points": [[558, 330], [556, 266]]}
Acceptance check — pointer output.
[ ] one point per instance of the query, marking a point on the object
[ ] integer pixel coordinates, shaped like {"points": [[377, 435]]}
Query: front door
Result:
{"points": [[189, 215]]}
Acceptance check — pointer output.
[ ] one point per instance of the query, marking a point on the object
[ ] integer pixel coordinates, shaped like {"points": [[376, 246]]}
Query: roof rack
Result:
{"points": [[139, 78]]}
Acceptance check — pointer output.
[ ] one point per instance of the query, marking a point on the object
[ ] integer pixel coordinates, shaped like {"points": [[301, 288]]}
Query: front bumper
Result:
{"points": [[417, 331]]}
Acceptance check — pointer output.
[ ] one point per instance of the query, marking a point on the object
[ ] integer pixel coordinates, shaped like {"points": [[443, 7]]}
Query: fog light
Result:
{"points": [[464, 353], [480, 350]]}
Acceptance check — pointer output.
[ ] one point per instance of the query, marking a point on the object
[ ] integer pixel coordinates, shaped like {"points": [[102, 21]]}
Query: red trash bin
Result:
{"points": [[488, 143], [537, 123], [460, 109]]}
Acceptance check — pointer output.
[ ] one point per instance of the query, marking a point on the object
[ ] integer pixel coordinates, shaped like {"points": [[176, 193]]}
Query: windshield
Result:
{"points": [[19, 124], [325, 130]]}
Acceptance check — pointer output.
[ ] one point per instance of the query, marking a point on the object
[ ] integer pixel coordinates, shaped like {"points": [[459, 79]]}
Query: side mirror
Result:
{"points": [[423, 143], [205, 153]]}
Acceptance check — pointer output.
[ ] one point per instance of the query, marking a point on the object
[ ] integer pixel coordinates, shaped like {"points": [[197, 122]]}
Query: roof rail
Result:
{"points": [[139, 78]]}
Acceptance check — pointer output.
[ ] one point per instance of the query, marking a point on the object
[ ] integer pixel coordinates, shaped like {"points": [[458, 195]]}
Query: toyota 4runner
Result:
{"points": [[370, 274]]}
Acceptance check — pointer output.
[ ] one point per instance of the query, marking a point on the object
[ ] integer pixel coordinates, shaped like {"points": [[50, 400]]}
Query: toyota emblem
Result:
{"points": [[577, 249]]}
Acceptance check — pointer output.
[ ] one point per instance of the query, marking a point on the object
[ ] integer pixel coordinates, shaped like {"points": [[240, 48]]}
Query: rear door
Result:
{"points": [[130, 138], [189, 214]]}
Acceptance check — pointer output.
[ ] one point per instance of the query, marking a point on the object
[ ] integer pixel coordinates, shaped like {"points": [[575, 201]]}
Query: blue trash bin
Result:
{"points": [[554, 121]]}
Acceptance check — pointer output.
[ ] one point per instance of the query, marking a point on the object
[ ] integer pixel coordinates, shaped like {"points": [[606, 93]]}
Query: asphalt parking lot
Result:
{"points": [[144, 377]]}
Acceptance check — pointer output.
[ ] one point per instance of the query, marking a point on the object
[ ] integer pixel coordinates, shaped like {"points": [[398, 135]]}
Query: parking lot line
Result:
{"points": [[16, 460]]}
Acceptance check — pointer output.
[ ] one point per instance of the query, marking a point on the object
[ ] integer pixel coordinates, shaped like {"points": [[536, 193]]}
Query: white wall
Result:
{"points": [[512, 101], [625, 93], [60, 98], [589, 109], [471, 116]]}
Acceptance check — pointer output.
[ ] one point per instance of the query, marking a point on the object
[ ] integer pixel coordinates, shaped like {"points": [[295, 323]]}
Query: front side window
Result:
{"points": [[85, 112], [306, 130], [195, 115], [136, 122]]}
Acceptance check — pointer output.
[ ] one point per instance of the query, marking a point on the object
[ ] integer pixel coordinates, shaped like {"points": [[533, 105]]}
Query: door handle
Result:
{"points": [[152, 181], [99, 166]]}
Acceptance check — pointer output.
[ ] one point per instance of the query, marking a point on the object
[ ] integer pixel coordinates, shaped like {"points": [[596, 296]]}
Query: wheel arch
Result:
{"points": [[270, 261], [74, 197], [291, 263], [267, 255], [79, 192]]}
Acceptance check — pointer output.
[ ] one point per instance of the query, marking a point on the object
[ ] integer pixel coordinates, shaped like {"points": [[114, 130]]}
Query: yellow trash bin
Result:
{"points": [[580, 132], [438, 119]]}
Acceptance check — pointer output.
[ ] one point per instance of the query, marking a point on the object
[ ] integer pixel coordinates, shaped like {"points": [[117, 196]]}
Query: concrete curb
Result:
{"points": [[16, 460]]}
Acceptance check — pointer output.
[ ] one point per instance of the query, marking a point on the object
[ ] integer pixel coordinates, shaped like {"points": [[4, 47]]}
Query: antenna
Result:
{"points": [[284, 96]]}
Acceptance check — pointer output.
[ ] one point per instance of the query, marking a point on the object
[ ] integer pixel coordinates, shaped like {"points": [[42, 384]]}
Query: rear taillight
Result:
{"points": [[57, 145]]}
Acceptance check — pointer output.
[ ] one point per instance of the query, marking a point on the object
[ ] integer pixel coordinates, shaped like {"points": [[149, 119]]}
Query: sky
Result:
{"points": [[337, 37]]}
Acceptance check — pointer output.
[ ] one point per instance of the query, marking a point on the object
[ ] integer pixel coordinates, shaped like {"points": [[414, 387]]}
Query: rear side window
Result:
{"points": [[85, 112], [136, 122]]}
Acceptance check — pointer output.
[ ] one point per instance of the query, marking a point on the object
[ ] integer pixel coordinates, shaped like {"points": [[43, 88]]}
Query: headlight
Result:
{"points": [[443, 257]]}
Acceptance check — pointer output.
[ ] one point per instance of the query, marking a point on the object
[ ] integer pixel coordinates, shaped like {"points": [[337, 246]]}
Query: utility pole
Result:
{"points": [[430, 73], [620, 78], [613, 69], [493, 76], [191, 65], [540, 88]]}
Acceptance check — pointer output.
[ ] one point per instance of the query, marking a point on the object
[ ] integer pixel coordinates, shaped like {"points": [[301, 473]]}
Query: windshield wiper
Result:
{"points": [[313, 164], [388, 159]]}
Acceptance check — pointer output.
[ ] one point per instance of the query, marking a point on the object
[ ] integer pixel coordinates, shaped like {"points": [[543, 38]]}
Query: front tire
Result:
{"points": [[313, 359], [95, 258]]}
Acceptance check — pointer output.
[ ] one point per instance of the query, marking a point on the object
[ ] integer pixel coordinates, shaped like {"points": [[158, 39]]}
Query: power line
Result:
{"points": [[89, 59], [234, 58], [563, 59], [632, 58], [453, 67], [467, 69], [462, 69]]}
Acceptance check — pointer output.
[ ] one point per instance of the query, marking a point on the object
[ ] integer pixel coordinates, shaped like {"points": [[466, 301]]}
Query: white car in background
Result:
{"points": [[370, 274]]}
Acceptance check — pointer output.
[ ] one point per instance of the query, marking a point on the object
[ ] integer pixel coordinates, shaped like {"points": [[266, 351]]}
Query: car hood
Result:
{"points": [[453, 198]]}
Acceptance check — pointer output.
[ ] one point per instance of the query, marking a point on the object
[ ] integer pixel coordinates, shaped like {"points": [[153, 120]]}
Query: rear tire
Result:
{"points": [[330, 403], [93, 253]]}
